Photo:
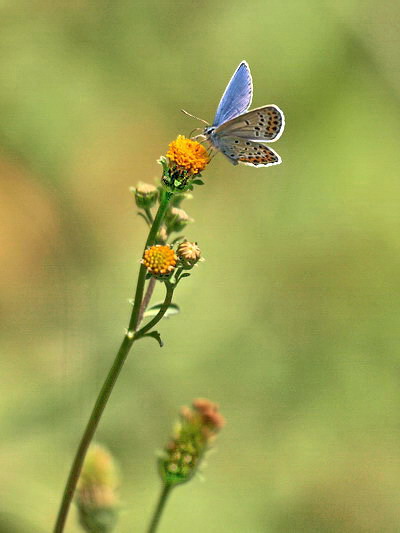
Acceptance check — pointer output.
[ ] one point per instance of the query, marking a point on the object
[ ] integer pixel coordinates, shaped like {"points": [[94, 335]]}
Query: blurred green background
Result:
{"points": [[292, 323]]}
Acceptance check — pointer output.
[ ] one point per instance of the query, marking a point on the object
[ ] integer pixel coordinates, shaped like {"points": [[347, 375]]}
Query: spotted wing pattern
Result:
{"points": [[262, 124], [237, 96], [248, 152]]}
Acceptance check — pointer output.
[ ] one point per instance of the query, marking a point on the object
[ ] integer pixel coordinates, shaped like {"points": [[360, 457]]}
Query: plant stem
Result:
{"points": [[165, 492], [147, 298], [87, 436], [149, 215], [164, 202], [112, 376], [160, 314]]}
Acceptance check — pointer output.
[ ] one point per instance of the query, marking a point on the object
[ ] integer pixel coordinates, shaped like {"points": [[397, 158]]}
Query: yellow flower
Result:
{"points": [[187, 154], [159, 260]]}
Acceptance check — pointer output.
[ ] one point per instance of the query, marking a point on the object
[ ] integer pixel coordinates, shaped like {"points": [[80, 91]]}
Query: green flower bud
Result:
{"points": [[145, 195], [179, 197], [96, 497], [176, 219]]}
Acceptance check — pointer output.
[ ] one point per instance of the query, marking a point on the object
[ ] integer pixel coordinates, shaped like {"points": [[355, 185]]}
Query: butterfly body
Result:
{"points": [[237, 132]]}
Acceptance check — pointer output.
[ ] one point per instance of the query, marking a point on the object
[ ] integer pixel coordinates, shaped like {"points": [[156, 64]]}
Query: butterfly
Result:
{"points": [[237, 132]]}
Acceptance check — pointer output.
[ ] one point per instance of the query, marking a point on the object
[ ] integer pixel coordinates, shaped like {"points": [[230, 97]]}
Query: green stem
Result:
{"points": [[165, 492], [164, 203], [149, 215], [112, 376], [91, 427], [147, 297], [160, 314]]}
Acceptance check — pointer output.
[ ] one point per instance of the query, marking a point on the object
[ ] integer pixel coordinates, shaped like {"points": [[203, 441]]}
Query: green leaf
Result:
{"points": [[173, 309], [184, 275], [155, 335], [164, 163], [180, 238], [198, 182]]}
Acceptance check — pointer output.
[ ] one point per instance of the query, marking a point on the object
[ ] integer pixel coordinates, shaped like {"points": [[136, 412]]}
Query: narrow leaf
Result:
{"points": [[143, 216], [173, 309], [155, 335]]}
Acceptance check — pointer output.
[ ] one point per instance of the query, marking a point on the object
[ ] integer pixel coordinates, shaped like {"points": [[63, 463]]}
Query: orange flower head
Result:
{"points": [[188, 155], [160, 260]]}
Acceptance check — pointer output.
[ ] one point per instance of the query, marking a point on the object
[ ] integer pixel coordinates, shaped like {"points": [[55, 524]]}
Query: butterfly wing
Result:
{"points": [[239, 150], [262, 124], [237, 96]]}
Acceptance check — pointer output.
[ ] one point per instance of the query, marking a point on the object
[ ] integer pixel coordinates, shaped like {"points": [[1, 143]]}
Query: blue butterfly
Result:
{"points": [[236, 132]]}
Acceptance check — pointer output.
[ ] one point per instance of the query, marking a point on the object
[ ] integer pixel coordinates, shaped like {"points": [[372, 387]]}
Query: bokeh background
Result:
{"points": [[291, 324]]}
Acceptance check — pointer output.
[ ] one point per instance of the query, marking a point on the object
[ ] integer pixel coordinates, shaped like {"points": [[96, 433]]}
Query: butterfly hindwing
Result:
{"points": [[262, 124], [239, 150], [237, 132], [237, 96]]}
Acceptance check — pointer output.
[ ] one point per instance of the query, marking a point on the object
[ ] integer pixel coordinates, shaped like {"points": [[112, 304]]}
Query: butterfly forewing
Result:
{"points": [[237, 96], [248, 152], [261, 124], [236, 132]]}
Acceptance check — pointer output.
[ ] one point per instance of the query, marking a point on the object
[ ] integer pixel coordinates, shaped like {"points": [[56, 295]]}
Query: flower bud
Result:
{"points": [[193, 436], [179, 197], [145, 195], [162, 235], [177, 219], [189, 253], [96, 497]]}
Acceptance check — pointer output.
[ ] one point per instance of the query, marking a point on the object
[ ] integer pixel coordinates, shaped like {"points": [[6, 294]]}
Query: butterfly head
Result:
{"points": [[208, 131]]}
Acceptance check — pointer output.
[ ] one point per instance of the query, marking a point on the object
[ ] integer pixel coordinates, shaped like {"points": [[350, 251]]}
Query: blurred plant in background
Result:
{"points": [[193, 436], [96, 493]]}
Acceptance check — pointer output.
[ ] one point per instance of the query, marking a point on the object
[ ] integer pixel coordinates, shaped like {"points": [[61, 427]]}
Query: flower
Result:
{"points": [[160, 260], [188, 155], [189, 253], [193, 436]]}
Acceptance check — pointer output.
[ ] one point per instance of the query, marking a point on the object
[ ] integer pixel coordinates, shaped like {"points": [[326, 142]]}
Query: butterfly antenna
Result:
{"points": [[195, 129], [193, 116]]}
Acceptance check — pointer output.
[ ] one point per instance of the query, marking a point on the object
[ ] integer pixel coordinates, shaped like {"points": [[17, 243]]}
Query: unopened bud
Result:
{"points": [[162, 235], [177, 219], [189, 253], [179, 197], [145, 195], [96, 496]]}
